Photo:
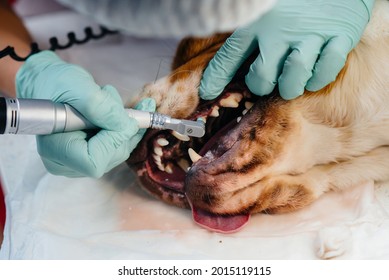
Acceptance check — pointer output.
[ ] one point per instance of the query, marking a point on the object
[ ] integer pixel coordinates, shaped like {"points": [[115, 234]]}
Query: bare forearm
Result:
{"points": [[12, 33]]}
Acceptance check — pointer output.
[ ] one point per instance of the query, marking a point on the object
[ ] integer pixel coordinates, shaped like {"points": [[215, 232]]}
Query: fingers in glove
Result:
{"points": [[332, 59], [222, 68], [298, 68], [265, 70]]}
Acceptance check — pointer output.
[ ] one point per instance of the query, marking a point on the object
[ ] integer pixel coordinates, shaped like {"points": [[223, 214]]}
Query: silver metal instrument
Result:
{"points": [[41, 117]]}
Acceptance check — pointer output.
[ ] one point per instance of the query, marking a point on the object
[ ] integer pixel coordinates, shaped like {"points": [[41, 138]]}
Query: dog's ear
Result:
{"points": [[191, 47]]}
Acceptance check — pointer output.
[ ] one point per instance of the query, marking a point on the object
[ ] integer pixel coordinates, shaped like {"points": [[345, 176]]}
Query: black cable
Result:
{"points": [[55, 45]]}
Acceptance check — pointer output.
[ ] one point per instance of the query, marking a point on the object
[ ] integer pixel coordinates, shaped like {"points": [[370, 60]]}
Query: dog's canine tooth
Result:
{"points": [[229, 103], [161, 167], [215, 111], [180, 136], [237, 96], [168, 169], [162, 142], [184, 164], [232, 101], [157, 158], [248, 105], [238, 119], [193, 155], [245, 111], [158, 151]]}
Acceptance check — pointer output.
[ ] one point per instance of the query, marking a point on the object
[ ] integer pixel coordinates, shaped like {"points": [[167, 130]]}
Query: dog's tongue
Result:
{"points": [[223, 224]]}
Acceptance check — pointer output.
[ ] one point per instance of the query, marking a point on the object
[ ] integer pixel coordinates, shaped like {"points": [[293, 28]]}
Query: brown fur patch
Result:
{"points": [[191, 47], [193, 54], [264, 140], [283, 197]]}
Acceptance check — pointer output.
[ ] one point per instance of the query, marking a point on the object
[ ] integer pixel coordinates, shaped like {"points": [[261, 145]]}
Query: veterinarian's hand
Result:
{"points": [[75, 154], [303, 44]]}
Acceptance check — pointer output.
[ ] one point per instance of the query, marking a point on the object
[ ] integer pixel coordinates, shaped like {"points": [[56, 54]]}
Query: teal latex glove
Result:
{"points": [[76, 154], [303, 44]]}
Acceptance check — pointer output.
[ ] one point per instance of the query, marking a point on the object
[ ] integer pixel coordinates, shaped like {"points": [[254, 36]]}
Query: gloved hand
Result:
{"points": [[75, 154], [303, 44]]}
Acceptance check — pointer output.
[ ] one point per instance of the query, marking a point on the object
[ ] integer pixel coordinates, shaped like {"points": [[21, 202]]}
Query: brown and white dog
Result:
{"points": [[265, 154]]}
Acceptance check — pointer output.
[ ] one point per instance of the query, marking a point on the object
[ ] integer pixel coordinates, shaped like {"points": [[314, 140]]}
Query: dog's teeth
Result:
{"points": [[158, 151], [161, 167], [169, 169], [162, 142], [238, 119], [157, 158], [180, 136], [232, 101], [237, 96], [248, 105], [215, 111], [184, 164], [229, 103], [245, 112], [193, 155]]}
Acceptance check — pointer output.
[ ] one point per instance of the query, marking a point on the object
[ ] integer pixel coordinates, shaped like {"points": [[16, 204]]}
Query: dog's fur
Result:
{"points": [[299, 149]]}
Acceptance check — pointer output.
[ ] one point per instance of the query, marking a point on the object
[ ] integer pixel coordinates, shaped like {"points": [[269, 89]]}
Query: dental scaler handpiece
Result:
{"points": [[42, 117]]}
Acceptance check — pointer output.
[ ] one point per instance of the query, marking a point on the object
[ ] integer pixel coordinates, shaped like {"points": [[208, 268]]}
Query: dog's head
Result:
{"points": [[228, 174]]}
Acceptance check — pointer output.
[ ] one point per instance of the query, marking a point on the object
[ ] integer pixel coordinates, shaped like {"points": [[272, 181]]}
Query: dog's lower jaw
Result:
{"points": [[272, 194]]}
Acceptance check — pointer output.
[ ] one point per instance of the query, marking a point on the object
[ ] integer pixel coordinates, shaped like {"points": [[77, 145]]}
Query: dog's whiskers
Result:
{"points": [[181, 71], [159, 68]]}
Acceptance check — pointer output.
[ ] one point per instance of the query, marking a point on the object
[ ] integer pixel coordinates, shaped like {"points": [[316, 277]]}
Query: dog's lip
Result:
{"points": [[212, 155], [228, 142]]}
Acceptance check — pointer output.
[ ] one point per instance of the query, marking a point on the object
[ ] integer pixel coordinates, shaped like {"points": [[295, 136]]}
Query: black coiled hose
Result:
{"points": [[55, 45]]}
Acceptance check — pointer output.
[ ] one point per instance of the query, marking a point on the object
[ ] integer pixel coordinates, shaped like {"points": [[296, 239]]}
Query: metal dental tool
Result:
{"points": [[41, 117]]}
